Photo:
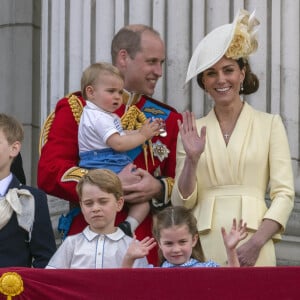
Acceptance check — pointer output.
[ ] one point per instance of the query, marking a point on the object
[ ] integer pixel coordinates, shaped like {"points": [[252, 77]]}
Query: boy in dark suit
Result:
{"points": [[26, 235]]}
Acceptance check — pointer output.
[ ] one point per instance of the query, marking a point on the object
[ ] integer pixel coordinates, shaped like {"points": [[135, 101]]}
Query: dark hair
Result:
{"points": [[174, 216], [250, 83], [129, 39]]}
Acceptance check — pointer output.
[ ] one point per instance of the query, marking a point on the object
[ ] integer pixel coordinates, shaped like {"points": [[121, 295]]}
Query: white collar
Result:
{"points": [[93, 106], [115, 236], [4, 184]]}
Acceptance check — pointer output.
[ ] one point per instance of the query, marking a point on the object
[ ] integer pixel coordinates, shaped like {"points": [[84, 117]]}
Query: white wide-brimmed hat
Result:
{"points": [[234, 40]]}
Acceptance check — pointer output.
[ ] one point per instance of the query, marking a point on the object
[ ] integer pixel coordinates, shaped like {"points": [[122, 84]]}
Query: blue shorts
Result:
{"points": [[104, 159]]}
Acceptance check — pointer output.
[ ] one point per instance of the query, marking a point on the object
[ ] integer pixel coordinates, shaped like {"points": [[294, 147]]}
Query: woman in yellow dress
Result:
{"points": [[228, 159]]}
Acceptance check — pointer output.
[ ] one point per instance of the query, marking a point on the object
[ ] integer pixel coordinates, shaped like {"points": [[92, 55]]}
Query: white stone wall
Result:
{"points": [[19, 65], [45, 45]]}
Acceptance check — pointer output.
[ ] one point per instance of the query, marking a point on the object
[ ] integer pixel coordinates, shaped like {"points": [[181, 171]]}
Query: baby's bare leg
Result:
{"points": [[136, 215]]}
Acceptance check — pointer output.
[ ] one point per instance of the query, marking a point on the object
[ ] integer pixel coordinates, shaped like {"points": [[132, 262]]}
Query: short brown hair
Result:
{"points": [[11, 128], [91, 74], [176, 216], [104, 179], [129, 39]]}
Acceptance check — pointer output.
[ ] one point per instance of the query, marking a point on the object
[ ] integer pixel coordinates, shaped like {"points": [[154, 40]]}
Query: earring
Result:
{"points": [[242, 88]]}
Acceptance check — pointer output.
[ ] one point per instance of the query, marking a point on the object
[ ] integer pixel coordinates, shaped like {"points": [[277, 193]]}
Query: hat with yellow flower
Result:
{"points": [[235, 40]]}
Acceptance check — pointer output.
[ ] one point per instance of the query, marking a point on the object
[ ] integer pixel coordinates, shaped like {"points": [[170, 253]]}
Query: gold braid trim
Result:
{"points": [[76, 107], [134, 119], [74, 174], [170, 184], [45, 131]]}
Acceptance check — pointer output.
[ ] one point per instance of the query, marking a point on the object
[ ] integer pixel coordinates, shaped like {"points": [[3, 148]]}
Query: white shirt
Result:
{"points": [[90, 250], [4, 183], [95, 127]]}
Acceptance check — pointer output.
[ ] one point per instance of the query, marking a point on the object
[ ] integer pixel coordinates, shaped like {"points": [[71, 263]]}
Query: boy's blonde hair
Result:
{"points": [[104, 179], [11, 128], [91, 74]]}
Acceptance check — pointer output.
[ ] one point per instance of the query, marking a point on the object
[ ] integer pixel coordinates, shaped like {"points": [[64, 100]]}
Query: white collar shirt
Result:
{"points": [[90, 250], [96, 126], [4, 184]]}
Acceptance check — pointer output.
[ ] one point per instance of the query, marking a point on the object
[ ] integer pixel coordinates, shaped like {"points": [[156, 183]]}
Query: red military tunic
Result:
{"points": [[59, 154]]}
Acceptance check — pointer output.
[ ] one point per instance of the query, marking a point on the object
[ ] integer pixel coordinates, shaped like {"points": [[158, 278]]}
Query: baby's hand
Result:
{"points": [[150, 129], [236, 234], [161, 123]]}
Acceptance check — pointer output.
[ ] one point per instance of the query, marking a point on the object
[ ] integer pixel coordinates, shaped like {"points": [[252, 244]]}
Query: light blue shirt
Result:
{"points": [[192, 263], [4, 183]]}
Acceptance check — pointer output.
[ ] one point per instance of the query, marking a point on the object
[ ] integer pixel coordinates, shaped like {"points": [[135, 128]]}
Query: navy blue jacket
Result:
{"points": [[15, 249]]}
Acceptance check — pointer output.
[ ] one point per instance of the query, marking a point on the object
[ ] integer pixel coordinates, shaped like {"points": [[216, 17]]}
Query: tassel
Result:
{"points": [[151, 151], [145, 155]]}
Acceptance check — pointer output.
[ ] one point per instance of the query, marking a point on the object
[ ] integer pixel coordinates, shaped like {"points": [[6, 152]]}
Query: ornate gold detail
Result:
{"points": [[151, 151], [134, 119], [73, 174], [144, 146], [11, 284], [130, 98], [45, 131], [154, 111], [170, 184], [76, 107], [160, 150]]}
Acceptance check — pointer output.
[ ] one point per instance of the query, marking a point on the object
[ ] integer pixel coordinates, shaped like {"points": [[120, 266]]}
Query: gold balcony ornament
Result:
{"points": [[11, 284]]}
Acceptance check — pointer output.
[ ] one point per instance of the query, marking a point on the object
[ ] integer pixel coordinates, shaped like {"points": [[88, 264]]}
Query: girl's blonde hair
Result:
{"points": [[91, 74], [177, 216]]}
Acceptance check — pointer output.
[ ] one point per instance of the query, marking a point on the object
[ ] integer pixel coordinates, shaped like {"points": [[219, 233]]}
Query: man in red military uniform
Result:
{"points": [[138, 52]]}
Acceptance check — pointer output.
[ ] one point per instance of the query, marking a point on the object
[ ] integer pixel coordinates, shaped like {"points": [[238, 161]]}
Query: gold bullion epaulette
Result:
{"points": [[73, 174]]}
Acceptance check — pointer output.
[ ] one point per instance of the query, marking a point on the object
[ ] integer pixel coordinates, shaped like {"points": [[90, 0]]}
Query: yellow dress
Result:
{"points": [[232, 180]]}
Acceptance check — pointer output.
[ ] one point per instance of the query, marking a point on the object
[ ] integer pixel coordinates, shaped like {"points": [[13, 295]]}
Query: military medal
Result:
{"points": [[160, 150]]}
